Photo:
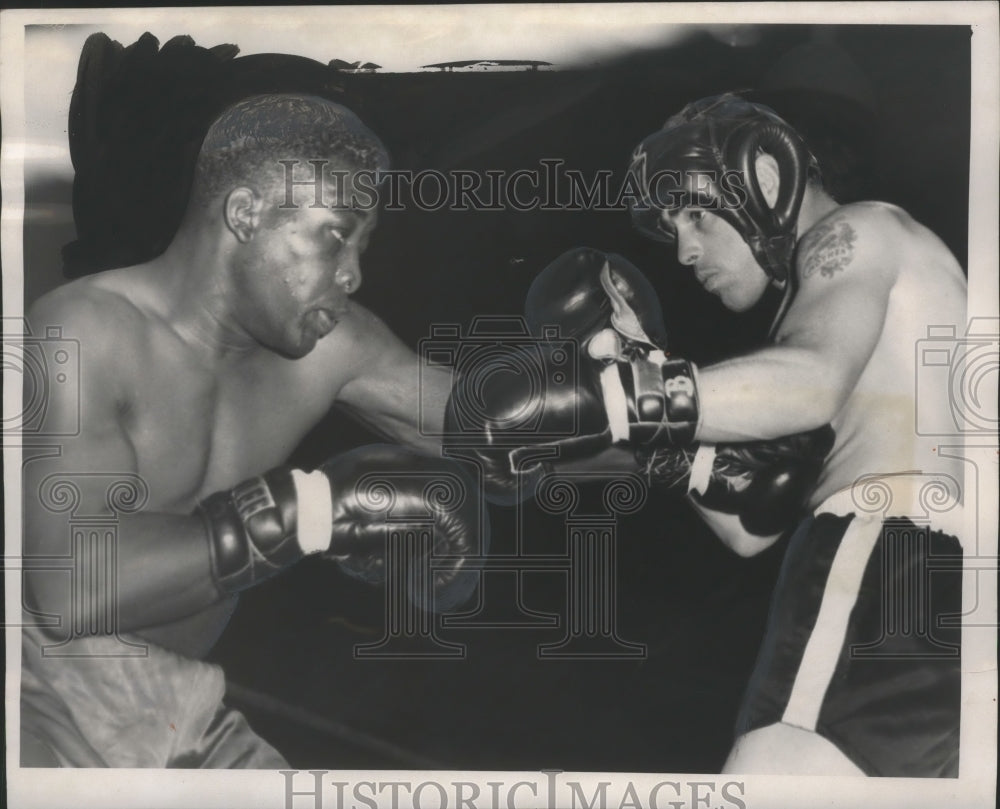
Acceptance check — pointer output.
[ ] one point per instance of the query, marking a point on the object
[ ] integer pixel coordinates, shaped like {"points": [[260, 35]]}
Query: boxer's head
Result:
{"points": [[251, 142], [724, 180], [291, 231]]}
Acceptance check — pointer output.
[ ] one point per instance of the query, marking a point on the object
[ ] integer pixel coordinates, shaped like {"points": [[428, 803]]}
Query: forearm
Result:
{"points": [[727, 527], [163, 573], [405, 405], [424, 438], [768, 394]]}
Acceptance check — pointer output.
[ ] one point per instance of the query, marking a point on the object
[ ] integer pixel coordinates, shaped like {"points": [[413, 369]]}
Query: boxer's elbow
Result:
{"points": [[730, 531], [747, 545]]}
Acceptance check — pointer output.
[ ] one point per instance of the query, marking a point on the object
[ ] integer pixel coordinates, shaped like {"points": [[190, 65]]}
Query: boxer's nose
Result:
{"points": [[688, 249]]}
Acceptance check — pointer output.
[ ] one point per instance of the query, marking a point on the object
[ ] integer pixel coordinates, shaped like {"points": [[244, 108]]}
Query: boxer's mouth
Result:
{"points": [[709, 280], [322, 321]]}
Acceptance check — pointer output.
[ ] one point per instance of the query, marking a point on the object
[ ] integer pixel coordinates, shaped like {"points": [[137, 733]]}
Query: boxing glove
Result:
{"points": [[585, 291], [345, 510], [764, 483], [528, 408], [608, 306]]}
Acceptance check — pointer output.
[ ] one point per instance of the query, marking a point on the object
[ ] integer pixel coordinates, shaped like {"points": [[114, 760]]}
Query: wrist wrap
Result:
{"points": [[252, 530], [662, 399]]}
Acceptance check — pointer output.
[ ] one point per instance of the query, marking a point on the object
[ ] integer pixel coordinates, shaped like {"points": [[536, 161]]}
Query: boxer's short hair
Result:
{"points": [[244, 145]]}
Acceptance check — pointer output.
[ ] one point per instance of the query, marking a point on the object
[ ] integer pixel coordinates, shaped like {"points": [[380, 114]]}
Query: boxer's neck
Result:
{"points": [[199, 301], [816, 204]]}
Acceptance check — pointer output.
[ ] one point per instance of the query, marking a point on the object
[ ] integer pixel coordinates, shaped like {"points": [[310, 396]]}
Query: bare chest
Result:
{"points": [[195, 431]]}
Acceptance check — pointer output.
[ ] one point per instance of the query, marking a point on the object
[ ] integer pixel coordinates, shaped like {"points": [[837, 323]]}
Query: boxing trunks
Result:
{"points": [[862, 644], [104, 710]]}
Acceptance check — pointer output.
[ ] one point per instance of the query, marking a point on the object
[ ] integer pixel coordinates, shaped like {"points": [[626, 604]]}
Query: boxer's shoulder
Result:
{"points": [[852, 239], [870, 224], [88, 308]]}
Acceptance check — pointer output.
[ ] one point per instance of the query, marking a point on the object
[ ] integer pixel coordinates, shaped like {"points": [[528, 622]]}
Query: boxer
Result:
{"points": [[200, 371], [734, 190]]}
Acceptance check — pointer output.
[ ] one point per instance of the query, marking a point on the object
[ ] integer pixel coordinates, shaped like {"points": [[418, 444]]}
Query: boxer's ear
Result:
{"points": [[242, 213], [768, 176]]}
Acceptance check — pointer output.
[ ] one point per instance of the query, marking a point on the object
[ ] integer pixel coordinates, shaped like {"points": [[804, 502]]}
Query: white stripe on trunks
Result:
{"points": [[827, 639]]}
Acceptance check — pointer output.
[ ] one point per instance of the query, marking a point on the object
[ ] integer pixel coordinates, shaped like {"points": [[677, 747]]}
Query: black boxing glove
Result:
{"points": [[585, 291], [527, 408], [382, 488], [764, 483], [252, 530], [609, 306], [344, 510]]}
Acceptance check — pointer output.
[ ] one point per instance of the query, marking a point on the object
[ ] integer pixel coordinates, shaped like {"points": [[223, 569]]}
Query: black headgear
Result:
{"points": [[705, 155]]}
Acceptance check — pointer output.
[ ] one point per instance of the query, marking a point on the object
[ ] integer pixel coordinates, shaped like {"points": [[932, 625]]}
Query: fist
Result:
{"points": [[425, 510]]}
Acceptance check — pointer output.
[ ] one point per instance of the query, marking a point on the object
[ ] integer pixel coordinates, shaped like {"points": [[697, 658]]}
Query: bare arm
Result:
{"points": [[392, 391], [827, 338], [163, 567]]}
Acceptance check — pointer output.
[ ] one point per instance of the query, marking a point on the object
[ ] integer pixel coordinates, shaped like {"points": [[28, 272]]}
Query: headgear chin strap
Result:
{"points": [[706, 156]]}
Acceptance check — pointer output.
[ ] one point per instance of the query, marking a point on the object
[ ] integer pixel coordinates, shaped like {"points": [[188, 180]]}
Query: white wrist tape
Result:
{"points": [[315, 510], [697, 427], [605, 345], [701, 468], [615, 404]]}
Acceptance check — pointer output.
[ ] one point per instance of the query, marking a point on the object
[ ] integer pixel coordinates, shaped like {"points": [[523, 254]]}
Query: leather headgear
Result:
{"points": [[705, 155]]}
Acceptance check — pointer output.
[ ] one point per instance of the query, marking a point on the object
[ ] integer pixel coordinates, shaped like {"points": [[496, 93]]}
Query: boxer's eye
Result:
{"points": [[666, 230], [338, 234]]}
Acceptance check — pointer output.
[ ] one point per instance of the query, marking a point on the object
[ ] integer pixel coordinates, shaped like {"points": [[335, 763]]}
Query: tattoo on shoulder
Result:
{"points": [[829, 247]]}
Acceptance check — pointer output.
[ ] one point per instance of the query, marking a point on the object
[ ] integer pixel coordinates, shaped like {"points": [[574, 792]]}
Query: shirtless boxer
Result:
{"points": [[733, 186], [863, 282], [200, 369]]}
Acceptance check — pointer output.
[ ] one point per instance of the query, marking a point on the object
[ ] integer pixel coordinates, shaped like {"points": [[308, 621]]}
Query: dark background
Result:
{"points": [[886, 110]]}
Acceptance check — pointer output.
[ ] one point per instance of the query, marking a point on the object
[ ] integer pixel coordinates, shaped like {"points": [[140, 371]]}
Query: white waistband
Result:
{"points": [[926, 499]]}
